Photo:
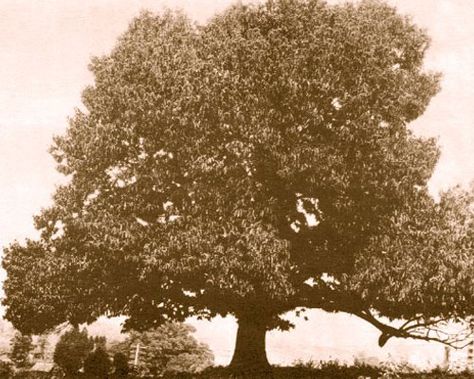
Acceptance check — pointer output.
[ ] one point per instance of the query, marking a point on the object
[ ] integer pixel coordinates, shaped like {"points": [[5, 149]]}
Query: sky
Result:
{"points": [[45, 47]]}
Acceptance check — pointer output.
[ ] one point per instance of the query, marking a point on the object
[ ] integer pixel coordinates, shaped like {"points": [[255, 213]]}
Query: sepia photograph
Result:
{"points": [[236, 189]]}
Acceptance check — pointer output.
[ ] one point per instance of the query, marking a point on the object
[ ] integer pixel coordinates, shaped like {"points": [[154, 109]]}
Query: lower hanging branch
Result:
{"points": [[431, 329], [451, 331]]}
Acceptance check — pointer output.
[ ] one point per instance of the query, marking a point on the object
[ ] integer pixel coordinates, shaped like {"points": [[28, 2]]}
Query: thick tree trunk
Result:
{"points": [[250, 357]]}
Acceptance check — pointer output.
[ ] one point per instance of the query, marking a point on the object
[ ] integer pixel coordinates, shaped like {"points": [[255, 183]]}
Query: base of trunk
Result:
{"points": [[250, 358]]}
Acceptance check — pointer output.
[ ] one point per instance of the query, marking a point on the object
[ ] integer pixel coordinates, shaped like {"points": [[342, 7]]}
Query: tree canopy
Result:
{"points": [[250, 166]]}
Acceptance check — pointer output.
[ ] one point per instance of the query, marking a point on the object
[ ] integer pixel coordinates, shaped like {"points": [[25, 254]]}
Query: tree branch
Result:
{"points": [[419, 329]]}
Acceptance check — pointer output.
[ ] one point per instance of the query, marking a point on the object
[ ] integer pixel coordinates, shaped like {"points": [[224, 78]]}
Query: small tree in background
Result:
{"points": [[72, 349], [21, 346], [97, 364], [166, 349], [42, 345]]}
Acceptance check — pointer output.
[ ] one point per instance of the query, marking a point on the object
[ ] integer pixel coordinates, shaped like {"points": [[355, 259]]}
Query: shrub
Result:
{"points": [[120, 363], [72, 349], [97, 364]]}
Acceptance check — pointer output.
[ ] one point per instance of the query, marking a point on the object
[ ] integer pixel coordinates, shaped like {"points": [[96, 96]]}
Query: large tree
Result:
{"points": [[250, 166]]}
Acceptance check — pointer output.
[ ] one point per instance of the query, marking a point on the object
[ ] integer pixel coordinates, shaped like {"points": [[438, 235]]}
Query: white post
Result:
{"points": [[137, 352], [446, 357]]}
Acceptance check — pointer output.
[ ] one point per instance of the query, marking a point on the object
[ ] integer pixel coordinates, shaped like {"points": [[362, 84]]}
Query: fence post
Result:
{"points": [[137, 352]]}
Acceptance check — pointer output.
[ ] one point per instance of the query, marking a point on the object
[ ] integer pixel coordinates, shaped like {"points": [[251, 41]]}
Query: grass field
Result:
{"points": [[329, 371]]}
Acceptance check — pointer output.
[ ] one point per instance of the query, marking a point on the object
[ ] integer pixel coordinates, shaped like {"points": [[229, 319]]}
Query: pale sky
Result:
{"points": [[45, 46]]}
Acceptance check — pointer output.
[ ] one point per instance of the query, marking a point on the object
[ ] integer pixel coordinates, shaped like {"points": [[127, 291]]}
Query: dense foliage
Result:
{"points": [[97, 364], [121, 367], [166, 349], [256, 164], [72, 349]]}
